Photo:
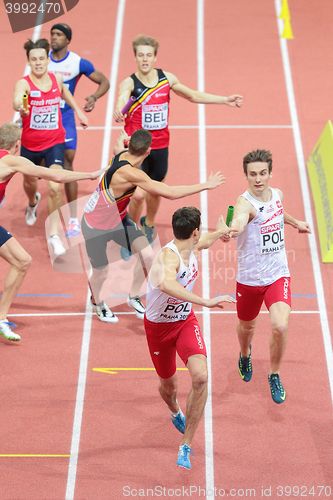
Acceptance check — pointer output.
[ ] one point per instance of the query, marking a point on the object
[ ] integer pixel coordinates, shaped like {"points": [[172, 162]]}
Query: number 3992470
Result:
{"points": [[33, 8]]}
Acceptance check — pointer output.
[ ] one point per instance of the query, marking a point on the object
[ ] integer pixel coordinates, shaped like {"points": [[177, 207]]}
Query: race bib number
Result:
{"points": [[92, 202], [175, 310], [154, 116], [271, 238], [44, 118]]}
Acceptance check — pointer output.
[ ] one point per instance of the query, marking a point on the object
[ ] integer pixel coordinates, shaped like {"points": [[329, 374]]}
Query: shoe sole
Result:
{"points": [[9, 339], [113, 321], [243, 378], [184, 467], [39, 197]]}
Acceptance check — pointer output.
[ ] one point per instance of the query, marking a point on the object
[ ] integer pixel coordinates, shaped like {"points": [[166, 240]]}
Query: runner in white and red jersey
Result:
{"points": [[10, 249], [106, 219], [43, 135], [150, 89], [171, 325], [263, 274]]}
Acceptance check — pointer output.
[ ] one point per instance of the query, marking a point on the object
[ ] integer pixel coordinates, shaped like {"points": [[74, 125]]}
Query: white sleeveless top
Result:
{"points": [[261, 250], [163, 308]]}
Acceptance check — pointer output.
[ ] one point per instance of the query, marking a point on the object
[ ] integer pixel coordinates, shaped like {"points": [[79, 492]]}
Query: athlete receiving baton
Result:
{"points": [[263, 273]]}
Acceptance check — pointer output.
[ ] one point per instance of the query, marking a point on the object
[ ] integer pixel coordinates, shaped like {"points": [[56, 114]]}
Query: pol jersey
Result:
{"points": [[163, 308], [261, 250], [150, 110], [71, 68]]}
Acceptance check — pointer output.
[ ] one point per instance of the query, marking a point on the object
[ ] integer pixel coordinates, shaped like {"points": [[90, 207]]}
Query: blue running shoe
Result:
{"points": [[183, 459], [277, 390], [148, 230], [245, 367], [179, 421], [125, 253]]}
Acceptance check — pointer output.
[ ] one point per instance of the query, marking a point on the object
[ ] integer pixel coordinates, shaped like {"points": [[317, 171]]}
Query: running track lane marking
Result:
{"points": [[122, 313], [306, 202], [114, 371], [33, 455], [209, 451], [195, 127], [72, 468]]}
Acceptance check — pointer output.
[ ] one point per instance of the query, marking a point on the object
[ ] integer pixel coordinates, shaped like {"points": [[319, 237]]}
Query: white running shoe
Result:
{"points": [[56, 244], [137, 305], [74, 228], [104, 313], [31, 212], [7, 333]]}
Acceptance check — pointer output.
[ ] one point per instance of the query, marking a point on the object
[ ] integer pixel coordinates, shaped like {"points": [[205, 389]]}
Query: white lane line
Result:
{"points": [[307, 204], [195, 127], [209, 452], [82, 378], [129, 313]]}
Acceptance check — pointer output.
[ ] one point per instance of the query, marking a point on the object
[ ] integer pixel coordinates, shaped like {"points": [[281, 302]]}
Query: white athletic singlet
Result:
{"points": [[163, 308], [261, 250]]}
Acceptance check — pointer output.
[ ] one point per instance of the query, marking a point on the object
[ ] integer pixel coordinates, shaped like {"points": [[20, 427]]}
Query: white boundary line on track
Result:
{"points": [[128, 313], [195, 127], [209, 452], [306, 202], [82, 378]]}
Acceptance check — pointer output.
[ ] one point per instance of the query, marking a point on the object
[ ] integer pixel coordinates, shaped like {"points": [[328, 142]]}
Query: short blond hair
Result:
{"points": [[145, 40], [9, 134]]}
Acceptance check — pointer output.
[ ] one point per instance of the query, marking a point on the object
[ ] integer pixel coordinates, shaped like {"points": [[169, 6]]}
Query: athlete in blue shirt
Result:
{"points": [[71, 66]]}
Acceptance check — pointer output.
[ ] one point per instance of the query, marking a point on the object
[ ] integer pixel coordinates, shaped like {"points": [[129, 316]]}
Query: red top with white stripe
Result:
{"points": [[3, 184], [42, 128], [150, 110], [103, 210]]}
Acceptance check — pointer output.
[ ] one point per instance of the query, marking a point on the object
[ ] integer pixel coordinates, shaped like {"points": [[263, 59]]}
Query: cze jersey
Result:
{"points": [[262, 256], [3, 184], [150, 111], [163, 308], [42, 128], [71, 68]]}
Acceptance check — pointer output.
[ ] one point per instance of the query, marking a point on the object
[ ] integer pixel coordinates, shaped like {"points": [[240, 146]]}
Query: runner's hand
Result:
{"points": [[218, 301], [303, 227], [97, 173], [83, 119], [90, 104], [235, 100], [118, 117], [215, 180]]}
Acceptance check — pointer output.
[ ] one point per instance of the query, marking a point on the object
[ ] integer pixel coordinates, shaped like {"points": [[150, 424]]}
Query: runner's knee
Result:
{"points": [[199, 379], [24, 263], [280, 328]]}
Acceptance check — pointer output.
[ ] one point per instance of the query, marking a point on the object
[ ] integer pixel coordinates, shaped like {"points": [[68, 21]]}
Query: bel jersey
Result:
{"points": [[261, 250], [163, 308], [42, 128], [71, 68], [150, 110]]}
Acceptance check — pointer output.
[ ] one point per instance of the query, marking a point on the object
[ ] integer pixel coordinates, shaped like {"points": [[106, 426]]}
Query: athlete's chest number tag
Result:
{"points": [[155, 116], [271, 238], [44, 118]]}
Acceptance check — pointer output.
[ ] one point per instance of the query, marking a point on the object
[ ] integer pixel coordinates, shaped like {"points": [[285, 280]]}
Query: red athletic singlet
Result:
{"points": [[42, 128], [103, 210], [150, 111], [3, 184]]}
